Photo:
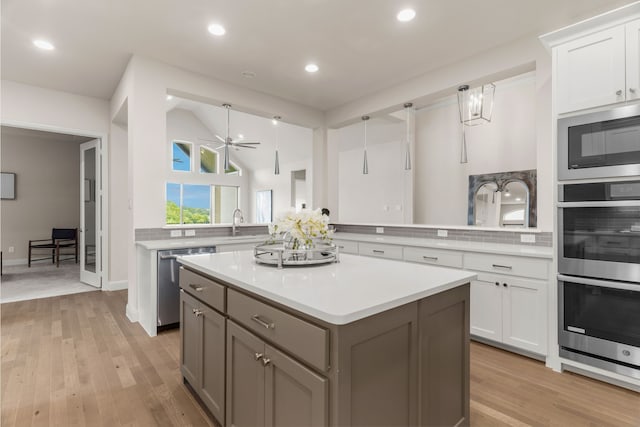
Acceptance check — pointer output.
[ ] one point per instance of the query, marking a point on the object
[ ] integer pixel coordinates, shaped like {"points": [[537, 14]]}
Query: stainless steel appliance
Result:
{"points": [[169, 285], [599, 230], [599, 323], [601, 144]]}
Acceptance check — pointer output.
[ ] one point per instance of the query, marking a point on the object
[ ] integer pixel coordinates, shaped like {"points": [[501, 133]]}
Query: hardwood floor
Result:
{"points": [[76, 360]]}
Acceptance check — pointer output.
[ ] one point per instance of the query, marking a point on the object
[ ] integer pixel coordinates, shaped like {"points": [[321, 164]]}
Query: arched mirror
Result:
{"points": [[505, 199]]}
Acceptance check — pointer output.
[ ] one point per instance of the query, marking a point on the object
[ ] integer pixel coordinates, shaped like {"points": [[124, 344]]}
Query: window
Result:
{"points": [[181, 156], [208, 160], [200, 204]]}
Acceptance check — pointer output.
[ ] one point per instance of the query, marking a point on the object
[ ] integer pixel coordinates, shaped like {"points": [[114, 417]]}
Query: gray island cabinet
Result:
{"points": [[362, 342]]}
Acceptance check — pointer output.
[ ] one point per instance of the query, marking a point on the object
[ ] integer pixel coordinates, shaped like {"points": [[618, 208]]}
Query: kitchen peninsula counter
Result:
{"points": [[366, 341]]}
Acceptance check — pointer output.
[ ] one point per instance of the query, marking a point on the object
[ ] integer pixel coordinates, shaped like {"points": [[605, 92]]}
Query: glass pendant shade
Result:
{"points": [[276, 169], [476, 105], [365, 164], [407, 153], [463, 148]]}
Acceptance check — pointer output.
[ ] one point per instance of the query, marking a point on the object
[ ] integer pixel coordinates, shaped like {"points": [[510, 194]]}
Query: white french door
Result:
{"points": [[90, 219]]}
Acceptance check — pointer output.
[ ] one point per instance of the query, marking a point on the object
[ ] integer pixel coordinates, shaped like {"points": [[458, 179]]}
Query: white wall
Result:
{"points": [[118, 203], [504, 61], [47, 191], [506, 144]]}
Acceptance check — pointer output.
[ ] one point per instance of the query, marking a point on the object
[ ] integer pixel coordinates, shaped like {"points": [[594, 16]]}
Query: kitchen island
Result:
{"points": [[361, 342]]}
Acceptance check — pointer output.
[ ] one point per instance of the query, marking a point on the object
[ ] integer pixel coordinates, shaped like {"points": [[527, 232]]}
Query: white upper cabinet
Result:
{"points": [[633, 59], [591, 70]]}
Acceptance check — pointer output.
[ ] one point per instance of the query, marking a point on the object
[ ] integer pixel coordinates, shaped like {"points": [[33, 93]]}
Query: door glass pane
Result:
{"points": [[89, 190], [173, 203], [208, 160], [181, 156], [610, 314], [196, 204], [602, 234], [225, 202]]}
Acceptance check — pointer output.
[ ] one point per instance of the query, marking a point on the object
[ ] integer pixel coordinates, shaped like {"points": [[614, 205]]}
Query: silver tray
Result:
{"points": [[275, 253]]}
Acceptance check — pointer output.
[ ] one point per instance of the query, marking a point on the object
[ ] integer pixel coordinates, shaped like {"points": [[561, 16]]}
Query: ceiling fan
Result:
{"points": [[229, 142]]}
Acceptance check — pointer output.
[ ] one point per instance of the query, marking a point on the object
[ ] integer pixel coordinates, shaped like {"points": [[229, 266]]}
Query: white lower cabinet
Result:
{"points": [[510, 310]]}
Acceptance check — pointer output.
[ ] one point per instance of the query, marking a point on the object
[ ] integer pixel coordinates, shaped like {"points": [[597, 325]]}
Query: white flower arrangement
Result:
{"points": [[300, 228]]}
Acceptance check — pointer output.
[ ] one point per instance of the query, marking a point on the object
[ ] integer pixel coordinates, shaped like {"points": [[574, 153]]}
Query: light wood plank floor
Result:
{"points": [[76, 360]]}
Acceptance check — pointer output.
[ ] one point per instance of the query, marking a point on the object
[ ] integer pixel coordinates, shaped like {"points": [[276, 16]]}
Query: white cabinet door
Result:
{"points": [[524, 314], [633, 60], [486, 308], [591, 71]]}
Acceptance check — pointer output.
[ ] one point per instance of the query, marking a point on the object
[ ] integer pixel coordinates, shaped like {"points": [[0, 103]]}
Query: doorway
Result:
{"points": [[47, 167]]}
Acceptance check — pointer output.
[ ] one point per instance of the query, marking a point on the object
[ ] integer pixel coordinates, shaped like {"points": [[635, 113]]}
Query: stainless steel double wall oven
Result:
{"points": [[599, 239]]}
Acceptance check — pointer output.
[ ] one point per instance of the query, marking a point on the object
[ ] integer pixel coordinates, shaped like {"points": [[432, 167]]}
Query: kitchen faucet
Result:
{"points": [[233, 226]]}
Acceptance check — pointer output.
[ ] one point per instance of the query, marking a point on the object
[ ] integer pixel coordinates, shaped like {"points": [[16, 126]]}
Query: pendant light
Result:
{"points": [[475, 107], [407, 155], [276, 169], [365, 165]]}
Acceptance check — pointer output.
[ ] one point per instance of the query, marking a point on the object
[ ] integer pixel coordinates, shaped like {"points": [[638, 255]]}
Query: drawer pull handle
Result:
{"points": [[196, 287], [377, 251], [258, 356], [256, 318], [341, 246], [265, 361], [504, 267], [497, 283], [430, 258], [505, 285]]}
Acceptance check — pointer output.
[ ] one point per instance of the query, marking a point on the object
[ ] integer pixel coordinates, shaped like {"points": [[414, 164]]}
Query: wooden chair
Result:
{"points": [[61, 238]]}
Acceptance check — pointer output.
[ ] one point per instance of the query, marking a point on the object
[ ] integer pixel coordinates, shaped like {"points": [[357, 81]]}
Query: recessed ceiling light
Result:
{"points": [[248, 74], [311, 68], [240, 136], [507, 194], [406, 15], [169, 97], [43, 44], [217, 30]]}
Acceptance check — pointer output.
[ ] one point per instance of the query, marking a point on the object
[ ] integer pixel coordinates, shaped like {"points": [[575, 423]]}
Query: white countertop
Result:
{"points": [[200, 242], [337, 293], [454, 245]]}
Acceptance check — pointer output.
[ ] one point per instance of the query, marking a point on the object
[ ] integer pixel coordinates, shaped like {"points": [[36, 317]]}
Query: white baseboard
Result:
{"points": [[117, 285], [7, 262], [132, 313]]}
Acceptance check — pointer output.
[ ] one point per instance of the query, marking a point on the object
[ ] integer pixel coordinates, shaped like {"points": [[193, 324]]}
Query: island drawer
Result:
{"points": [[380, 250], [204, 289], [303, 339], [346, 246], [443, 258], [504, 264]]}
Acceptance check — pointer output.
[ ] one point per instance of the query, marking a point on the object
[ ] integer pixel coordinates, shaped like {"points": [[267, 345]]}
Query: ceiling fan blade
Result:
{"points": [[244, 146], [245, 143], [220, 146], [220, 138]]}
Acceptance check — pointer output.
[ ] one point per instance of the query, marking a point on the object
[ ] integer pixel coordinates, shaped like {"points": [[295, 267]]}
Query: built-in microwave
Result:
{"points": [[600, 145]]}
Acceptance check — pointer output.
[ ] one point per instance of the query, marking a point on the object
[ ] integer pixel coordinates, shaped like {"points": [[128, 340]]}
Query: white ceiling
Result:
{"points": [[359, 45], [9, 131]]}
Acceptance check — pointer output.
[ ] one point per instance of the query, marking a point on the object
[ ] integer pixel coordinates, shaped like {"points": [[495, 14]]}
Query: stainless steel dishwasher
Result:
{"points": [[169, 284]]}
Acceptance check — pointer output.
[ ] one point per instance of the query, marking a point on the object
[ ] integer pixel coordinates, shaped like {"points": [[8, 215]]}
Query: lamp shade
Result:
{"points": [[476, 105]]}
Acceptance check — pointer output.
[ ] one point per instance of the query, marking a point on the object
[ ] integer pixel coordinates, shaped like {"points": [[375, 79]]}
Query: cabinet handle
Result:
{"points": [[256, 318], [504, 284], [265, 361], [377, 251], [258, 356], [497, 283], [632, 90], [196, 287], [504, 267], [430, 258], [197, 312], [619, 92], [341, 246]]}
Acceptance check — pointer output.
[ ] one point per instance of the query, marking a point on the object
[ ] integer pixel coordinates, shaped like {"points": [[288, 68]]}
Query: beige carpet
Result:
{"points": [[19, 283]]}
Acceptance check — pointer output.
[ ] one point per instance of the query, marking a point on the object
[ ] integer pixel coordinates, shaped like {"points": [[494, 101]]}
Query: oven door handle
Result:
{"points": [[601, 283], [604, 204]]}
